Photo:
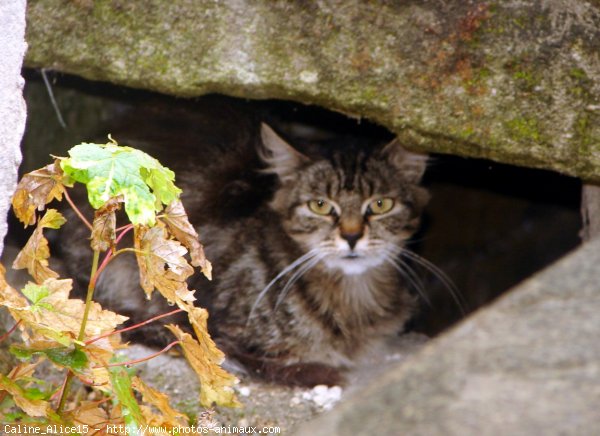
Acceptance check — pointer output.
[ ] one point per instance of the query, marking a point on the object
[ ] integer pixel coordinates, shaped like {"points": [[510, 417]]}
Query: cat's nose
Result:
{"points": [[352, 238]]}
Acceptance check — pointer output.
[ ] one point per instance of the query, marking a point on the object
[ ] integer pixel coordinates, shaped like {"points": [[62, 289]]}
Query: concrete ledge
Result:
{"points": [[517, 81], [528, 364]]}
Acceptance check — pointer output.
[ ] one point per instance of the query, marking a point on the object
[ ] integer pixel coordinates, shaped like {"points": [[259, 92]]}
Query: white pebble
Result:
{"points": [[323, 396]]}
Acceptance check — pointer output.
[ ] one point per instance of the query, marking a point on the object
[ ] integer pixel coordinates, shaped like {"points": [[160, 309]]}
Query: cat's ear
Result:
{"points": [[282, 158], [411, 165]]}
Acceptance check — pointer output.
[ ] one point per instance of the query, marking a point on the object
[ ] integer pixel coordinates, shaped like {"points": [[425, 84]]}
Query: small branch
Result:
{"points": [[61, 121], [77, 211], [118, 229], [90, 294], [109, 256], [124, 229], [143, 323], [86, 313], [9, 332], [62, 390], [144, 359]]}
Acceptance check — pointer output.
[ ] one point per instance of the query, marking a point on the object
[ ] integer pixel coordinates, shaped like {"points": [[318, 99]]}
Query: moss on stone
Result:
{"points": [[475, 73], [523, 129]]}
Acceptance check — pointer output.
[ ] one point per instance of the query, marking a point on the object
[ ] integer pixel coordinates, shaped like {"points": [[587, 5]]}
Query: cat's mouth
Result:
{"points": [[352, 255]]}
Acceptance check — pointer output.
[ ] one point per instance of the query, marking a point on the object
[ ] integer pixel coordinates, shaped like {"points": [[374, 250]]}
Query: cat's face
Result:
{"points": [[353, 212]]}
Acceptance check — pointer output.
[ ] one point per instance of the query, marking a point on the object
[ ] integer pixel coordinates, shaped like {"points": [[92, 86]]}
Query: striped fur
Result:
{"points": [[335, 303]]}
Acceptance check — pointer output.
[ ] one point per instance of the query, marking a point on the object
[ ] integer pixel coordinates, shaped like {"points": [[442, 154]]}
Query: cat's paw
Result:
{"points": [[304, 374]]}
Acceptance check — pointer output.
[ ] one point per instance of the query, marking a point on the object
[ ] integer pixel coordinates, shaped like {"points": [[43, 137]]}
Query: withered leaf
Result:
{"points": [[90, 414], [204, 357], [34, 255], [104, 225], [9, 297], [180, 227], [53, 315], [161, 264], [168, 416], [35, 190], [33, 407]]}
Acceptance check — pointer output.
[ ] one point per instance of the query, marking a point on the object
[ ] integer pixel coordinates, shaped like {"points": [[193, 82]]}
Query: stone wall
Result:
{"points": [[514, 81], [12, 106]]}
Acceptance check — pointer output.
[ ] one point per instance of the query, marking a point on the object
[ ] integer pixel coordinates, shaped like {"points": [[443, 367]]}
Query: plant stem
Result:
{"points": [[77, 211], [9, 332], [143, 359], [86, 313], [90, 294], [136, 326]]}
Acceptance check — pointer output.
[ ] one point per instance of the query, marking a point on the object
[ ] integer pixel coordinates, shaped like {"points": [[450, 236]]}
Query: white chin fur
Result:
{"points": [[352, 266]]}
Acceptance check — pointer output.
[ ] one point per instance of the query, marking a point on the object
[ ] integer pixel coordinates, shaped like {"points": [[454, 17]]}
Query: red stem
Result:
{"points": [[125, 229], [110, 254], [8, 333], [62, 388], [144, 359], [148, 321], [77, 211]]}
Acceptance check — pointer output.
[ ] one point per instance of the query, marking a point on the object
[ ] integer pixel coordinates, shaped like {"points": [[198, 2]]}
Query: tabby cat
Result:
{"points": [[306, 246]]}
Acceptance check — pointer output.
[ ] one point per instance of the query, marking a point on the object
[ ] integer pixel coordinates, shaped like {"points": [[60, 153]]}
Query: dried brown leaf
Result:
{"points": [[168, 416], [104, 225], [89, 414], [9, 297], [180, 227], [23, 370], [34, 255], [204, 357], [35, 190], [67, 313], [55, 316], [32, 407], [162, 265]]}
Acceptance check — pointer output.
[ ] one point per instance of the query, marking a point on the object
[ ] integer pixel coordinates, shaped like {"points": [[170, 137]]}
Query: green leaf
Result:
{"points": [[35, 293], [120, 380], [109, 170], [71, 358], [36, 394], [67, 357]]}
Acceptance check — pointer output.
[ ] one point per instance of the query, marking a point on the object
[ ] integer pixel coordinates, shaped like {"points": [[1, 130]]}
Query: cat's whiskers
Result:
{"points": [[305, 258], [438, 273], [299, 273], [408, 273]]}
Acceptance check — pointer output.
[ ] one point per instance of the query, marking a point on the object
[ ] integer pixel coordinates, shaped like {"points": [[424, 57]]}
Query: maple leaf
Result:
{"points": [[34, 255], [169, 416], [67, 357], [180, 227], [35, 190], [51, 314], [9, 297], [162, 265], [104, 225], [31, 406], [204, 357], [109, 170], [90, 414]]}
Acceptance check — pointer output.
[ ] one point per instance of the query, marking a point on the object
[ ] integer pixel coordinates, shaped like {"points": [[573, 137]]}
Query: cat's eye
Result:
{"points": [[320, 207], [380, 206]]}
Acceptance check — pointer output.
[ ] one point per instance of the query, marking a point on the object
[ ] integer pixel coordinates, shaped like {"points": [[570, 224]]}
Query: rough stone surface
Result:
{"points": [[590, 211], [264, 404], [12, 105], [529, 364], [516, 81]]}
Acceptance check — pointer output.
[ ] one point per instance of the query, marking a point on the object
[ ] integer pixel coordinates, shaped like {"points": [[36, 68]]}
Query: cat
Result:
{"points": [[305, 244]]}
